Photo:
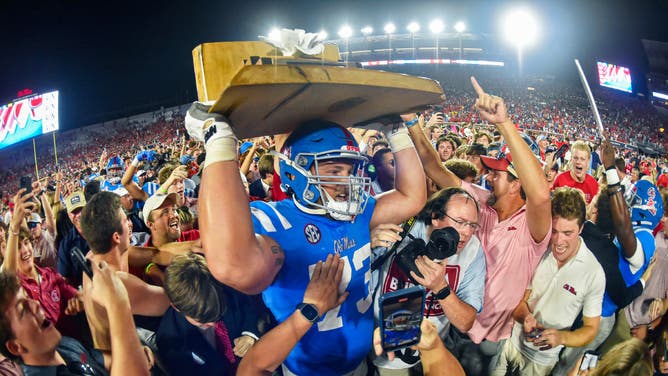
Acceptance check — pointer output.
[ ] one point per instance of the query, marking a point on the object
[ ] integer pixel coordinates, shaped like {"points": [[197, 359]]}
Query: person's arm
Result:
{"points": [[621, 218], [410, 190], [163, 255], [133, 189], [460, 314], [245, 166], [550, 338], [431, 162], [22, 205], [103, 160], [145, 299], [435, 358], [529, 171], [272, 348], [50, 219], [235, 255], [127, 355], [179, 173]]}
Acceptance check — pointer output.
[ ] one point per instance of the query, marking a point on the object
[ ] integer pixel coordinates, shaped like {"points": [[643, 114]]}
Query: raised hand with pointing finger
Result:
{"points": [[490, 107]]}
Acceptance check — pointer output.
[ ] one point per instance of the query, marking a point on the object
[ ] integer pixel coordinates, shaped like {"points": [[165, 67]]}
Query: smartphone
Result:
{"points": [[79, 258], [26, 182], [589, 360], [401, 313]]}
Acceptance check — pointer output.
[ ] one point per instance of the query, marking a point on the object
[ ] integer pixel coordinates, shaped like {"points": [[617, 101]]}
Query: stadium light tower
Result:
{"points": [[389, 30], [367, 30], [436, 26], [346, 32], [413, 28], [322, 35], [521, 30], [460, 27]]}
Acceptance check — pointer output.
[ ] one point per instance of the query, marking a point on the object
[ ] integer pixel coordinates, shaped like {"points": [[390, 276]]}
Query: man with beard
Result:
{"points": [[577, 177], [66, 265], [515, 222]]}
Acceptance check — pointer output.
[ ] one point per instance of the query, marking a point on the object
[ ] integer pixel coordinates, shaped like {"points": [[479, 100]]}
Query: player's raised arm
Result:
{"points": [[236, 256], [410, 192]]}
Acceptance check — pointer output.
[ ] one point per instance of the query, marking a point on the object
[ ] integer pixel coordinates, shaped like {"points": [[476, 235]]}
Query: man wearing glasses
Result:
{"points": [[456, 285]]}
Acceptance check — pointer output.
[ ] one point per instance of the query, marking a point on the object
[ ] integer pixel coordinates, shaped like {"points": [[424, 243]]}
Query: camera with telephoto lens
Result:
{"points": [[442, 244]]}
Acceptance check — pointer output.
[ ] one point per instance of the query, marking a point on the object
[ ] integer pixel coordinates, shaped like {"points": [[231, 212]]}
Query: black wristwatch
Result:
{"points": [[444, 293], [309, 311]]}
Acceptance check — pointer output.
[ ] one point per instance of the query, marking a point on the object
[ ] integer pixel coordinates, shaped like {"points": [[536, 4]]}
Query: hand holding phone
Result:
{"points": [[26, 183], [79, 258], [589, 360], [401, 313]]}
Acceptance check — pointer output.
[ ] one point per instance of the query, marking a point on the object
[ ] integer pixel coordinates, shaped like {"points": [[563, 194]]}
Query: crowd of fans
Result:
{"points": [[557, 242]]}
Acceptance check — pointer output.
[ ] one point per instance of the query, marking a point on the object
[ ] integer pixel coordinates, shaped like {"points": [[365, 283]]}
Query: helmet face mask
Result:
{"points": [[114, 169], [301, 170]]}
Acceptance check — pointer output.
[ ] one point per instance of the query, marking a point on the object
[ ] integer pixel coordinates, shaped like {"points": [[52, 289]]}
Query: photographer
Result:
{"points": [[451, 265]]}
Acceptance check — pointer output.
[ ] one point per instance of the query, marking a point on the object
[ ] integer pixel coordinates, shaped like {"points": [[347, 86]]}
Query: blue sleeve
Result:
{"points": [[64, 265], [472, 289]]}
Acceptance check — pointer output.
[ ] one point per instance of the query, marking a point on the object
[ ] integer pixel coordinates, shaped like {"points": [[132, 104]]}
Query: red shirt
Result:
{"points": [[589, 186], [52, 294]]}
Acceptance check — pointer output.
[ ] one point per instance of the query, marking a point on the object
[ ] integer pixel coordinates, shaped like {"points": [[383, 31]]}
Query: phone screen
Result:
{"points": [[401, 315], [26, 182], [589, 360]]}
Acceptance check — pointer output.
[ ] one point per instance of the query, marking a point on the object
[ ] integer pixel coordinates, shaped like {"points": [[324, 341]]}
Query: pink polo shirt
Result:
{"points": [[511, 256]]}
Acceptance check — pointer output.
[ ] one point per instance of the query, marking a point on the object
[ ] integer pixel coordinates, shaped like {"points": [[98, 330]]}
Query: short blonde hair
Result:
{"points": [[582, 146], [629, 358]]}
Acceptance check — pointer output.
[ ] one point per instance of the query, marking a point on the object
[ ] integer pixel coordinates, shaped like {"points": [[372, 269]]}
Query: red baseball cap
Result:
{"points": [[502, 162]]}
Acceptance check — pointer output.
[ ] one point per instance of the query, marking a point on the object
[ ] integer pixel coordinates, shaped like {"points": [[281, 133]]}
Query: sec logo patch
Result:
{"points": [[312, 233]]}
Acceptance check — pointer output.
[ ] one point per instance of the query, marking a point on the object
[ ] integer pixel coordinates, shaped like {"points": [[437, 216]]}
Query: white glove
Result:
{"points": [[204, 126]]}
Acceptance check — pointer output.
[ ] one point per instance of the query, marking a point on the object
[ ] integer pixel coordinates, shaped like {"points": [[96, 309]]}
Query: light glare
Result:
{"points": [[413, 27], [274, 34], [322, 35], [460, 27], [345, 32], [520, 28], [390, 28], [436, 26], [366, 30]]}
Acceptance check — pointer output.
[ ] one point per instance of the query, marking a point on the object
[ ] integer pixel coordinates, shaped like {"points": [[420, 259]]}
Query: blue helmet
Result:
{"points": [[311, 144], [114, 169], [646, 204]]}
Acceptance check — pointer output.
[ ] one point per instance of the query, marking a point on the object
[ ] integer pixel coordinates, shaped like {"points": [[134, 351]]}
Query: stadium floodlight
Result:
{"points": [[322, 35], [413, 27], [345, 32], [367, 30], [390, 28], [520, 28], [274, 34], [460, 27], [436, 26]]}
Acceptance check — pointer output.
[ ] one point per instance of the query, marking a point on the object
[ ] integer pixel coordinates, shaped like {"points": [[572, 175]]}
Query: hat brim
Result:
{"points": [[498, 165]]}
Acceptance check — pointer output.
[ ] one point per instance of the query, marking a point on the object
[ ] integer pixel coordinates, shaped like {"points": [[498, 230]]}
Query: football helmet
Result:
{"points": [[311, 144], [646, 204], [114, 169]]}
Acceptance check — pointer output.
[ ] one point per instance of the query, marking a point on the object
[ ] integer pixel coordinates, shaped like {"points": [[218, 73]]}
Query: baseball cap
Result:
{"points": [[141, 173], [155, 202], [35, 218], [245, 147], [75, 201], [502, 162], [120, 191]]}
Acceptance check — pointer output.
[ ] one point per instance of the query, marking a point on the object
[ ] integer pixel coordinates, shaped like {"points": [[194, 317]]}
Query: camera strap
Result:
{"points": [[408, 225]]}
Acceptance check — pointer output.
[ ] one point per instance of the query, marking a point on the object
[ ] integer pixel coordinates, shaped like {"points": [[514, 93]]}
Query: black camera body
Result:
{"points": [[442, 244]]}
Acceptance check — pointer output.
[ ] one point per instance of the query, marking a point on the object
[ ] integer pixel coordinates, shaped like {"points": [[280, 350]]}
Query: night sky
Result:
{"points": [[116, 58]]}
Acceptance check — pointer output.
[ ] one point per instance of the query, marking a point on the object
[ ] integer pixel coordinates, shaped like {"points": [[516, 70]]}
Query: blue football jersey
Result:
{"points": [[342, 338], [646, 239], [108, 186]]}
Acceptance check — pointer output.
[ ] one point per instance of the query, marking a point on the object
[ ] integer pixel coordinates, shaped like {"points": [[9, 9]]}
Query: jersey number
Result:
{"points": [[332, 320]]}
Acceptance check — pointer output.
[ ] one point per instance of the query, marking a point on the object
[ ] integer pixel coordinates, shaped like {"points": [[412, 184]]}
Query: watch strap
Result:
{"points": [[444, 293]]}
